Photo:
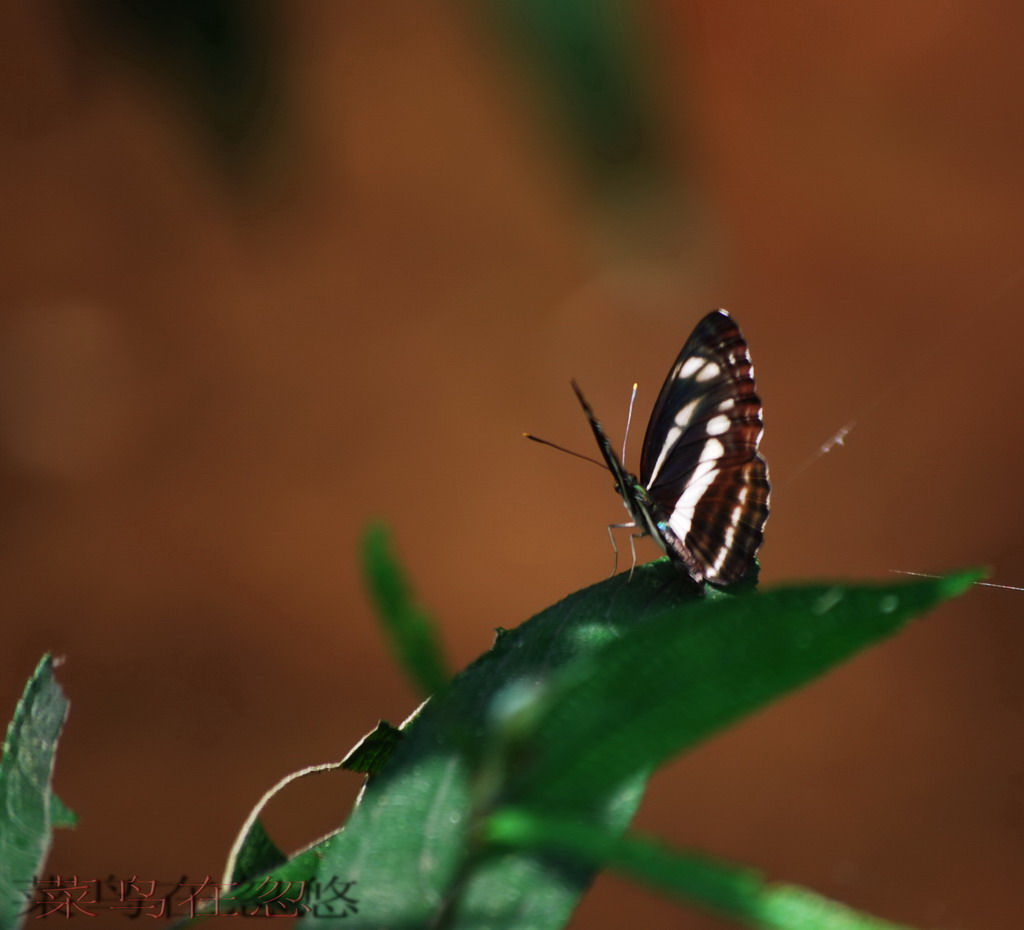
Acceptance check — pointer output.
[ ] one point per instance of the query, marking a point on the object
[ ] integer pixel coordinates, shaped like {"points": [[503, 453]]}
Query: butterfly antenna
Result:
{"points": [[629, 419], [980, 584], [579, 455], [836, 439]]}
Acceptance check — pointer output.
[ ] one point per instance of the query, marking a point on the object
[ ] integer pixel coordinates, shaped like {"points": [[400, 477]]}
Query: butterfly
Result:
{"points": [[703, 489]]}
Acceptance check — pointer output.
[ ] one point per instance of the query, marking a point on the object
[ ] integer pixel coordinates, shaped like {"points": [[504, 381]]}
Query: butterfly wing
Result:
{"points": [[700, 462]]}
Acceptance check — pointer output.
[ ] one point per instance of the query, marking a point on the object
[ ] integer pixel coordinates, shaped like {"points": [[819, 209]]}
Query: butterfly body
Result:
{"points": [[703, 489]]}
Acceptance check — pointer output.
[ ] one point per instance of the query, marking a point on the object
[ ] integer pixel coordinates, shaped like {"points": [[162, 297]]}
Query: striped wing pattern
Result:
{"points": [[700, 465]]}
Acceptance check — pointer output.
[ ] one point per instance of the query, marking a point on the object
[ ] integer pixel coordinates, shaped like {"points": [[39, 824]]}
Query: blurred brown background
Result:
{"points": [[248, 306]]}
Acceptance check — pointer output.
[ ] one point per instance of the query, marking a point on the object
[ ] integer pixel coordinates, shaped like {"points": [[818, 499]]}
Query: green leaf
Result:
{"points": [[409, 627], [257, 854], [683, 676], [26, 798], [731, 891], [570, 712], [61, 816], [373, 750], [253, 853], [301, 867], [415, 817]]}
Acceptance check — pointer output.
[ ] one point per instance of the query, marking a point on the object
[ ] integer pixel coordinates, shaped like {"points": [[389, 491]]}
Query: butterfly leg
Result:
{"points": [[633, 537], [615, 548]]}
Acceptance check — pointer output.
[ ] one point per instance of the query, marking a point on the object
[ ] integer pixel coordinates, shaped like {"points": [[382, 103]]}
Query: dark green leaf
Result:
{"points": [[529, 720], [728, 890], [684, 675], [301, 868], [588, 52], [26, 798], [257, 855], [409, 628], [414, 819], [373, 750]]}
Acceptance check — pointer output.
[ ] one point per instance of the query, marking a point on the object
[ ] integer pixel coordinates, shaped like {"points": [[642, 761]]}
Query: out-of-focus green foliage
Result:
{"points": [[29, 810]]}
